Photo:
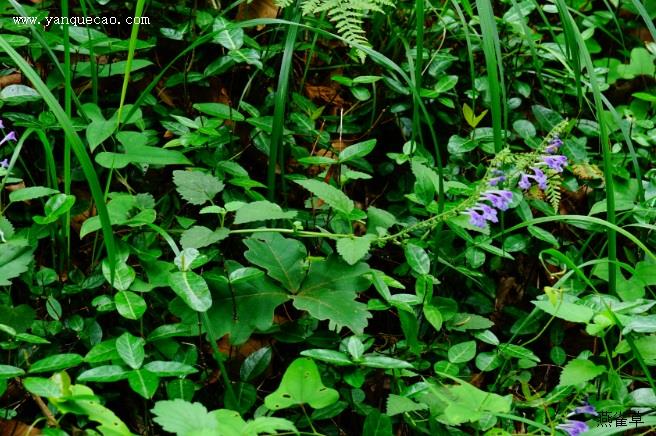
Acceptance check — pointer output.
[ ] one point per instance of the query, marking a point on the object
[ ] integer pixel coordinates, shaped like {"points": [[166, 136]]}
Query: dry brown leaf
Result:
{"points": [[326, 94], [11, 79], [257, 9], [16, 428]]}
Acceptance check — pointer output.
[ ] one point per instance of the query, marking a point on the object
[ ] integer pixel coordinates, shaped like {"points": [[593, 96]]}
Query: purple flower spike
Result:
{"points": [[4, 163], [475, 218], [573, 428], [489, 213], [556, 163], [540, 178], [499, 198], [10, 137]]}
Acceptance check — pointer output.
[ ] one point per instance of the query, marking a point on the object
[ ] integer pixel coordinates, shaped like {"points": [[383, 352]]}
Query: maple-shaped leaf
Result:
{"points": [[282, 258], [329, 293], [242, 307]]}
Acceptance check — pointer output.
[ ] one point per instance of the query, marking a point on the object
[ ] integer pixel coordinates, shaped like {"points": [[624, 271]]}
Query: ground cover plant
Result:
{"points": [[338, 217]]}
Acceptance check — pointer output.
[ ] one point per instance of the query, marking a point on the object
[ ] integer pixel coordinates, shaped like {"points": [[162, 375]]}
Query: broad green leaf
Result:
{"points": [[30, 193], [228, 36], [282, 258], [200, 236], [18, 94], [196, 187], [129, 304], [565, 309], [242, 307], [378, 361], [331, 356], [322, 275], [301, 384], [185, 259], [331, 195], [261, 211], [182, 417], [56, 363], [462, 352], [377, 424], [98, 131], [512, 350], [427, 182], [43, 387], [417, 258], [467, 403], [269, 425], [170, 331], [124, 274], [255, 364], [56, 206], [181, 388], [338, 307], [8, 371], [355, 151], [141, 154], [433, 316], [355, 248], [104, 374], [219, 110], [102, 352], [131, 350], [245, 274], [192, 289], [169, 368], [143, 382], [579, 371]]}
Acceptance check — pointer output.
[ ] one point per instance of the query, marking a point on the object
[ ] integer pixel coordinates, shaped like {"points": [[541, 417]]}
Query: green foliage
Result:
{"points": [[309, 245]]}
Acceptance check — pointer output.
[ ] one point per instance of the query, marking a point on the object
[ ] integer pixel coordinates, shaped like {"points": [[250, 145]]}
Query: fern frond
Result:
{"points": [[553, 191], [283, 3]]}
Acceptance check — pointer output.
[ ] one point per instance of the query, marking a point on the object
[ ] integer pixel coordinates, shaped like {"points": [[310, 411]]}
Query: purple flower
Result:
{"points": [[499, 198], [573, 428], [498, 177], [556, 163], [475, 218], [587, 409], [554, 145], [4, 163], [10, 137], [538, 176], [2, 125]]}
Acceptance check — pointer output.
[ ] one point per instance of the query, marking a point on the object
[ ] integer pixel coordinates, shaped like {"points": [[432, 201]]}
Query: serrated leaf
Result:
{"points": [[182, 417], [130, 305], [192, 289], [30, 193], [56, 363], [282, 258], [301, 384], [353, 249], [15, 259], [261, 211], [331, 195], [131, 350], [579, 371], [397, 404], [196, 187]]}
